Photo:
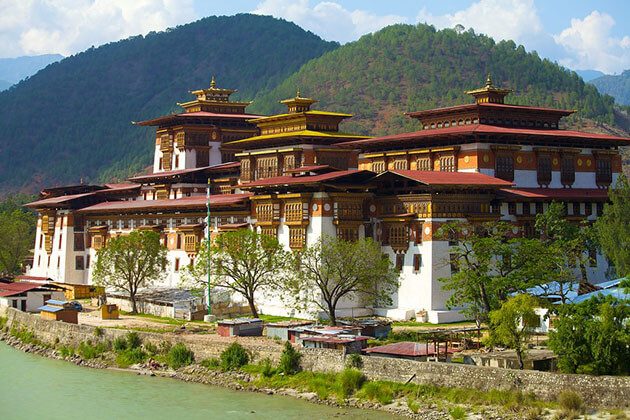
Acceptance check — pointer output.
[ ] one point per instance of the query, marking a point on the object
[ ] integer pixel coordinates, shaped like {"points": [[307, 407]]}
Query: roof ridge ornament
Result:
{"points": [[489, 93], [213, 83]]}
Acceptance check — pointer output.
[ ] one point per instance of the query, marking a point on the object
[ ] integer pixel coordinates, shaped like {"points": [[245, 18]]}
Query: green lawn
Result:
{"points": [[428, 324], [277, 318]]}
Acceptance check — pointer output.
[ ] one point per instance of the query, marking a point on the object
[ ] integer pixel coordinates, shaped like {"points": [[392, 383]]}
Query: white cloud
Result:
{"points": [[327, 19], [30, 27], [590, 45], [501, 19]]}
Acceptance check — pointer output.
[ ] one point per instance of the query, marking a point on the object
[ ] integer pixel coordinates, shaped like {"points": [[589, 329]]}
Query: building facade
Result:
{"points": [[297, 177]]}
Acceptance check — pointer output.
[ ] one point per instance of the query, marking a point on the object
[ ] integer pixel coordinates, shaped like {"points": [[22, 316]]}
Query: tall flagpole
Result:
{"points": [[209, 227]]}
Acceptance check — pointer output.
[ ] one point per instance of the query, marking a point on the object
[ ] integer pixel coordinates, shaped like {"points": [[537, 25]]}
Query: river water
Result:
{"points": [[34, 387]]}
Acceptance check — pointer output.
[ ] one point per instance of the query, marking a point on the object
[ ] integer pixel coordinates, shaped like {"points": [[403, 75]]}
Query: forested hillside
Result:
{"points": [[405, 68], [616, 86], [72, 120]]}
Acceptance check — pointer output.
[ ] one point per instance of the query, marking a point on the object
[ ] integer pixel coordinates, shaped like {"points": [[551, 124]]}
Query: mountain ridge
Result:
{"points": [[72, 120]]}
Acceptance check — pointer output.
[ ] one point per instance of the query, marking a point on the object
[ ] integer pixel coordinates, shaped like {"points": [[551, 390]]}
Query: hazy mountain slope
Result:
{"points": [[15, 69], [616, 86], [72, 120], [404, 68]]}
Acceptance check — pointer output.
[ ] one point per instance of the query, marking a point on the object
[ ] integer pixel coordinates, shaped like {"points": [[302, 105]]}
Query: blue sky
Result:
{"points": [[580, 34]]}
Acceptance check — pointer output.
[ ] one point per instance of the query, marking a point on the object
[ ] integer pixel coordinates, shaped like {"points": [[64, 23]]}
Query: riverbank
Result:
{"points": [[433, 390]]}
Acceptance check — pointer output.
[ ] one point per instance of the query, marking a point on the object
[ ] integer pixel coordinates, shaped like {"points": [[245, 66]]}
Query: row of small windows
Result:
{"points": [[504, 169], [499, 121]]}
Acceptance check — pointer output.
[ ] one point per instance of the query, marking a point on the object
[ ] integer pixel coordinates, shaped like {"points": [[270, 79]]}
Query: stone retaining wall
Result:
{"points": [[596, 391]]}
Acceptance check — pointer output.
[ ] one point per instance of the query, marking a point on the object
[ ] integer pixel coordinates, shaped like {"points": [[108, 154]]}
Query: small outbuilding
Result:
{"points": [[412, 350], [347, 343], [59, 310], [296, 333], [534, 359], [240, 327], [373, 327], [281, 329], [27, 296], [109, 311]]}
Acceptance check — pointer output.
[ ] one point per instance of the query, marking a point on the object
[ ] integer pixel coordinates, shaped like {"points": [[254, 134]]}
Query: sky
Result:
{"points": [[579, 34]]}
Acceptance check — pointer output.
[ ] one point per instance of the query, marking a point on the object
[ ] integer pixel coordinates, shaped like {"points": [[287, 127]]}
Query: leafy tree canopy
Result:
{"points": [[333, 269], [241, 261], [593, 337], [514, 323], [613, 228], [129, 262]]}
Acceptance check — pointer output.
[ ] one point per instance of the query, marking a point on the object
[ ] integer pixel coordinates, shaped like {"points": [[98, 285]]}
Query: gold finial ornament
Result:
{"points": [[297, 94], [213, 83], [489, 81]]}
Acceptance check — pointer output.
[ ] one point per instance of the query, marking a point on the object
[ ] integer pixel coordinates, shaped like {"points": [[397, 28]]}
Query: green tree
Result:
{"points": [[592, 337], [17, 235], [129, 262], [514, 323], [242, 261], [333, 269], [613, 227], [491, 263], [570, 240]]}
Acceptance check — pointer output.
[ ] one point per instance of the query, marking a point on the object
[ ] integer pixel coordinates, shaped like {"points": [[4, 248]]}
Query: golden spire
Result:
{"points": [[213, 83], [489, 81], [297, 94], [489, 93]]}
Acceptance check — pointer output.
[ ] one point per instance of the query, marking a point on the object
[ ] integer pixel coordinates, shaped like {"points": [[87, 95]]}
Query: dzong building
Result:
{"points": [[298, 176]]}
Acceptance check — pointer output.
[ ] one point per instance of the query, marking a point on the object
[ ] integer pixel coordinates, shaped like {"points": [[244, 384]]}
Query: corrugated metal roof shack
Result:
{"points": [[377, 328], [281, 329], [59, 310], [347, 343], [240, 327], [296, 334], [412, 351]]}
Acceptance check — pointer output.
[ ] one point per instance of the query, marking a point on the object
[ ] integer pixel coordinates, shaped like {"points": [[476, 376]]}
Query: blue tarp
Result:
{"points": [[56, 302], [617, 292]]}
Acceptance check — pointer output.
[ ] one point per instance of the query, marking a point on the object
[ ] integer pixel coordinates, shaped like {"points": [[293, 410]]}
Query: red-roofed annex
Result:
{"points": [[298, 177]]}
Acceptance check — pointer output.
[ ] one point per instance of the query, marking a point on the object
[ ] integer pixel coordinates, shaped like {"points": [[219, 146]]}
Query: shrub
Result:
{"points": [[98, 331], [165, 347], [211, 363], [66, 351], [234, 357], [130, 357], [267, 369], [457, 413], [151, 348], [378, 391], [354, 361], [133, 340], [290, 360], [179, 356], [120, 344], [413, 405], [3, 321], [350, 380], [570, 401], [89, 351]]}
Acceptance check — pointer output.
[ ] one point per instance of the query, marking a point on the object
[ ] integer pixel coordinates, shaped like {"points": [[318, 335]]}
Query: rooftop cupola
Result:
{"points": [[489, 93], [298, 104], [213, 93]]}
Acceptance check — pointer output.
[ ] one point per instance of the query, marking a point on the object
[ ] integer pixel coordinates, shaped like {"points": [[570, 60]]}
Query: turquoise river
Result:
{"points": [[33, 387]]}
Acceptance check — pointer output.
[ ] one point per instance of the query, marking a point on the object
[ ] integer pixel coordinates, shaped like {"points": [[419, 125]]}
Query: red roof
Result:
{"points": [[166, 174], [65, 199], [472, 129], [197, 201], [407, 348], [553, 193], [467, 107], [312, 168], [199, 114], [56, 200], [10, 289], [451, 178], [306, 179]]}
